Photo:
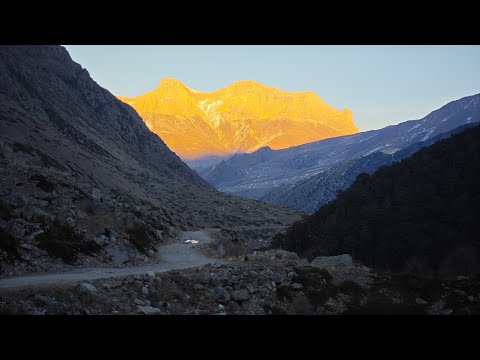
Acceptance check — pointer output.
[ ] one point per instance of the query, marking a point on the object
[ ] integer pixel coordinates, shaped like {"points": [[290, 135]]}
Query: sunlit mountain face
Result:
{"points": [[242, 117]]}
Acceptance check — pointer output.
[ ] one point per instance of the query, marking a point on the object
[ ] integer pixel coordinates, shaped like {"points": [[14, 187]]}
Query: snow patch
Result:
{"points": [[427, 135], [468, 104], [213, 117], [372, 151], [414, 127]]}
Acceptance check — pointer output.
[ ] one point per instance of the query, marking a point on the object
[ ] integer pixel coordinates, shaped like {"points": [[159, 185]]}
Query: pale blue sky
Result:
{"points": [[382, 85]]}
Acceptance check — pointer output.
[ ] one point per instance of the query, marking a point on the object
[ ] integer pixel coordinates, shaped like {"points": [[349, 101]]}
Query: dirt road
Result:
{"points": [[177, 255]]}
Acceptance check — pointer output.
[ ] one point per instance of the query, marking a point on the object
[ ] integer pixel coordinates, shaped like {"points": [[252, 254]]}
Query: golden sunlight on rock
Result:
{"points": [[242, 117]]}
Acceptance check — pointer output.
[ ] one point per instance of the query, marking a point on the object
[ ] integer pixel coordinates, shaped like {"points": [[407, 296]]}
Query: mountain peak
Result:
{"points": [[246, 84], [169, 83], [243, 116]]}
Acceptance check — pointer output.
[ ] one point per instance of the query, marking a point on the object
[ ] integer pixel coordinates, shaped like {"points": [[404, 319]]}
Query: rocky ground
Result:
{"points": [[261, 283], [53, 220]]}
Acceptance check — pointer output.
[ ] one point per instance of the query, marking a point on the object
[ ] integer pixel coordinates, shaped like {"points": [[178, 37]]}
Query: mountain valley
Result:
{"points": [[101, 215]]}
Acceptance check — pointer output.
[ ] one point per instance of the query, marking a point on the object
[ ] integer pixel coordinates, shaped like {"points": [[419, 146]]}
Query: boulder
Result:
{"points": [[279, 276], [159, 234], [221, 293], [96, 194], [102, 240], [70, 222], [329, 262], [148, 310], [139, 302], [296, 286], [86, 287], [117, 254], [240, 295], [252, 288], [18, 230], [221, 250]]}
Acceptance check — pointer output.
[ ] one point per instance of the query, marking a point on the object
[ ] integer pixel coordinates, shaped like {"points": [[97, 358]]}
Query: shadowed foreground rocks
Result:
{"points": [[269, 283]]}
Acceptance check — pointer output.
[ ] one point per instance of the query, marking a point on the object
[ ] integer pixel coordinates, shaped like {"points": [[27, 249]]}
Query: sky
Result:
{"points": [[382, 85]]}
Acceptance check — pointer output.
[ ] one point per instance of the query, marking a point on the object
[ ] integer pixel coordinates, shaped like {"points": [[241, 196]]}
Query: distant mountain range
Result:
{"points": [[307, 176], [310, 194], [242, 117]]}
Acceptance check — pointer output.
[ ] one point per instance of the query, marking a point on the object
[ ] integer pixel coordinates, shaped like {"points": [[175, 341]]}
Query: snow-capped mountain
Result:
{"points": [[242, 117]]}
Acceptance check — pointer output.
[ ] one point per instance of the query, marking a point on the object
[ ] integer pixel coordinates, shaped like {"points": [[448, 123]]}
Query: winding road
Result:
{"points": [[177, 255]]}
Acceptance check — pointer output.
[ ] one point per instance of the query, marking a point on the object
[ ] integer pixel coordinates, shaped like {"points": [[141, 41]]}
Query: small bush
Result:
{"points": [[43, 183], [8, 243], [140, 238], [4, 210], [60, 241]]}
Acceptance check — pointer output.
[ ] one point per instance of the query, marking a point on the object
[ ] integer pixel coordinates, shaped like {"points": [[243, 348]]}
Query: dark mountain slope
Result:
{"points": [[417, 215], [61, 94], [81, 173]]}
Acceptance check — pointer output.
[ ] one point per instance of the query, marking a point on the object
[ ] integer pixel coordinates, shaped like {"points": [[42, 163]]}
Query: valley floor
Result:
{"points": [[186, 281]]}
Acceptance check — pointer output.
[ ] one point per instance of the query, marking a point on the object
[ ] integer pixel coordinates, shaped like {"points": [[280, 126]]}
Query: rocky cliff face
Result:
{"points": [[83, 180], [241, 117]]}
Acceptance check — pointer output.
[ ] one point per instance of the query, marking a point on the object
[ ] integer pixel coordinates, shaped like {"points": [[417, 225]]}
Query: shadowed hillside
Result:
{"points": [[418, 215], [82, 178]]}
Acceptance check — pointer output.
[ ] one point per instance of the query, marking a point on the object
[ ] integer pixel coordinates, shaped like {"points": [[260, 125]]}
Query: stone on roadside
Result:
{"points": [[329, 262], [221, 250], [148, 310], [138, 302], [86, 287]]}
